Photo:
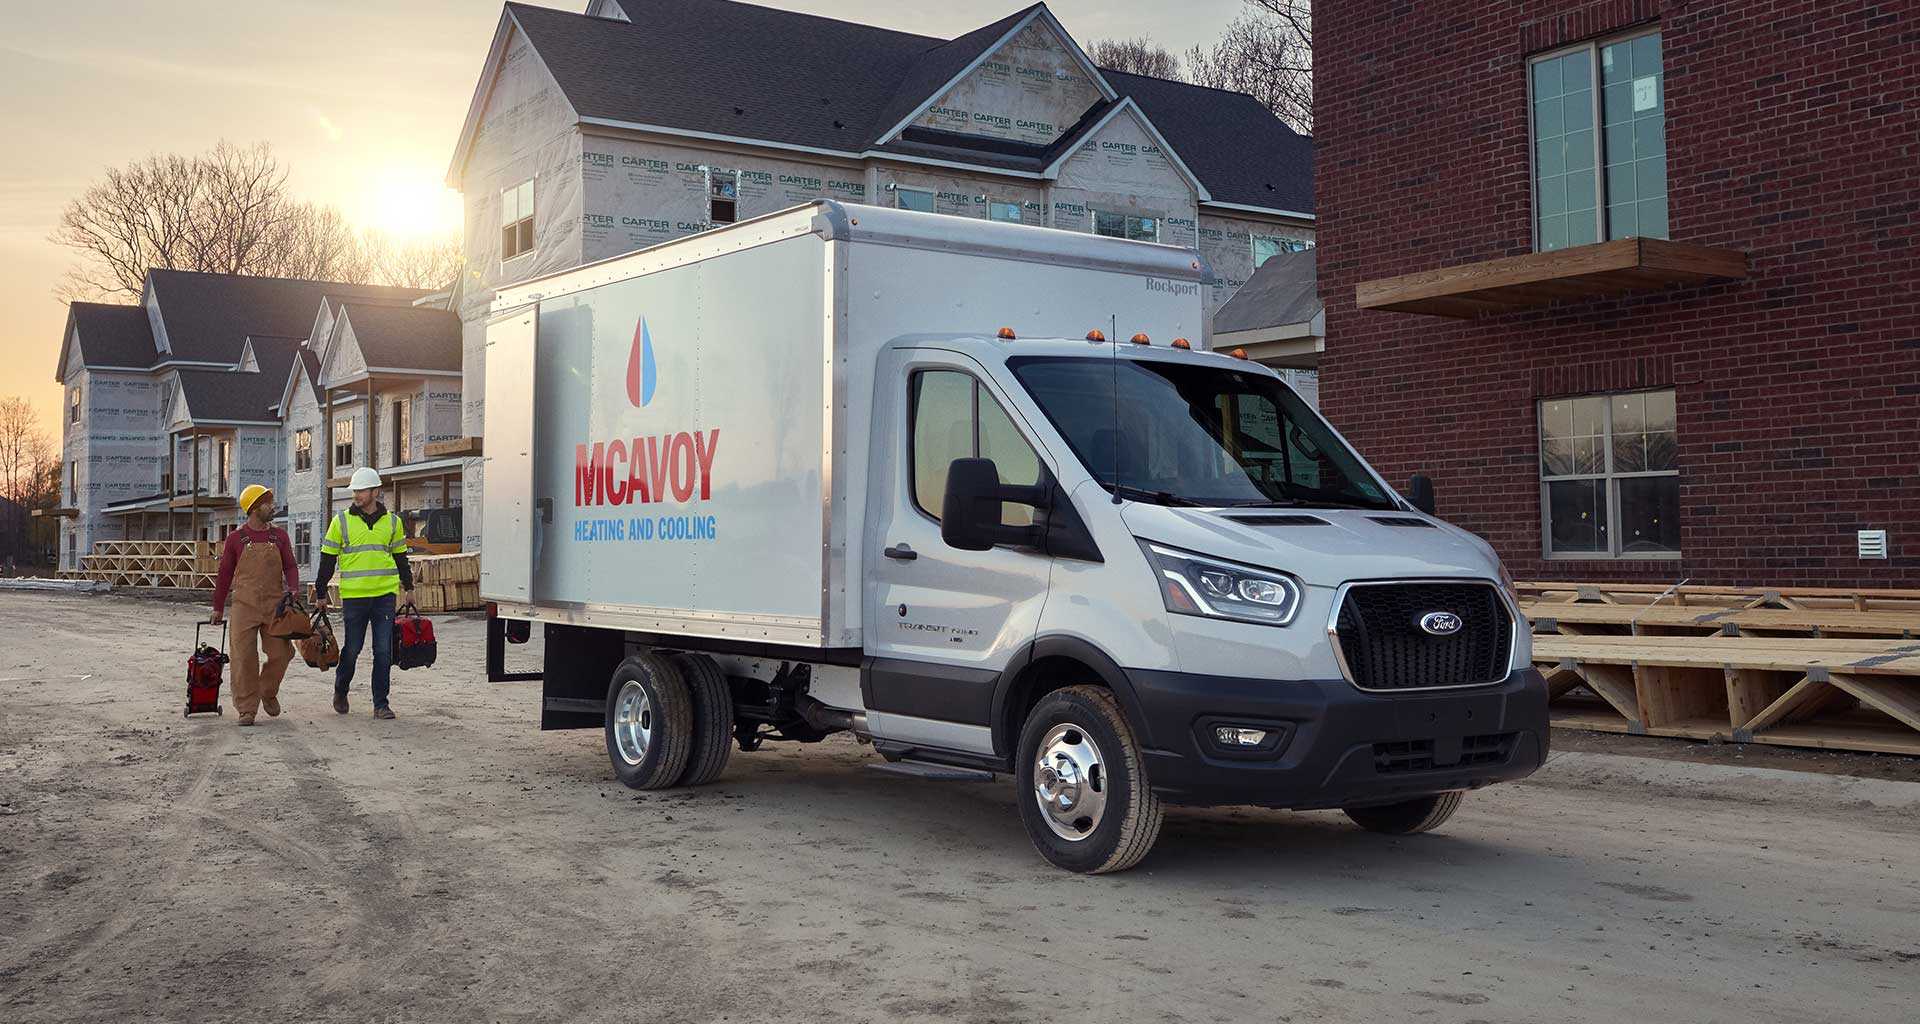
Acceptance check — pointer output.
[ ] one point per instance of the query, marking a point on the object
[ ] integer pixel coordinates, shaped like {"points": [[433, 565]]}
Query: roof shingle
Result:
{"points": [[208, 317], [406, 337], [113, 335]]}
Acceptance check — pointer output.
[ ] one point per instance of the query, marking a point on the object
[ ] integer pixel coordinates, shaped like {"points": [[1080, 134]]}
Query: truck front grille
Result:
{"points": [[1385, 648], [1418, 755]]}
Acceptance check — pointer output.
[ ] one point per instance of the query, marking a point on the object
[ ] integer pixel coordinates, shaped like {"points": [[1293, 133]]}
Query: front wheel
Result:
{"points": [[1421, 814], [1083, 788], [649, 722]]}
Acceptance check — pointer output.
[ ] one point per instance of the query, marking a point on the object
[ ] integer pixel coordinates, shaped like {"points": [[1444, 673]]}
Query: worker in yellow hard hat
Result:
{"points": [[256, 569]]}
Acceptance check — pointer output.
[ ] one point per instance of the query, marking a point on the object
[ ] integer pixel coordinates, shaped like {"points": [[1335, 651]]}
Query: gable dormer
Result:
{"points": [[608, 9], [249, 361], [178, 414], [1032, 87]]}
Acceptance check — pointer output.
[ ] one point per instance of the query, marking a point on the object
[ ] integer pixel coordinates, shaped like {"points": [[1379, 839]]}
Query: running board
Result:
{"points": [[932, 772]]}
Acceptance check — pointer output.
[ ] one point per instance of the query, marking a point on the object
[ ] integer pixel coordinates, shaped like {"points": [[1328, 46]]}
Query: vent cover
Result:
{"points": [[1873, 543], [1279, 519], [1402, 521]]}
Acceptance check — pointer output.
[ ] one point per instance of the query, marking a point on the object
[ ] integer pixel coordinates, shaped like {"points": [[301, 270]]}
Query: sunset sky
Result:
{"points": [[362, 99]]}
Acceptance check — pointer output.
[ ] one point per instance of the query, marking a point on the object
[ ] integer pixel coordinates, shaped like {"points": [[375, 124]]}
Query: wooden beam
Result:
{"points": [[1899, 698], [1614, 684], [1539, 278], [1667, 694], [460, 447], [1797, 699]]}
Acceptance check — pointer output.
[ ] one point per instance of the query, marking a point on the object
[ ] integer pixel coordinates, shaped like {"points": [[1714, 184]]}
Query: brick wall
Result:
{"points": [[1793, 133]]}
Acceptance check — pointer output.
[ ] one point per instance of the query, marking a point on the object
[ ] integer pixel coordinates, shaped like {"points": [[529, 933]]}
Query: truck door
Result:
{"points": [[943, 624]]}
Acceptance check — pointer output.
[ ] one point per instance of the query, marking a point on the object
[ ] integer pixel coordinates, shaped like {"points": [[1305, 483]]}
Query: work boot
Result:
{"points": [[340, 703], [383, 713], [245, 720], [271, 707]]}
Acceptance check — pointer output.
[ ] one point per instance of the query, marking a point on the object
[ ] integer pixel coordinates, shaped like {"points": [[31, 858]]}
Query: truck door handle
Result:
{"points": [[543, 507], [901, 552]]}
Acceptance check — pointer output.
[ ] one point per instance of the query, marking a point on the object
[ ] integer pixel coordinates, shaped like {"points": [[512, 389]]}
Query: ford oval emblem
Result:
{"points": [[1440, 623]]}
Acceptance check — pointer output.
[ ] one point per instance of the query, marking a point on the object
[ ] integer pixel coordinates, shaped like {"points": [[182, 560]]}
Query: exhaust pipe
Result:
{"points": [[829, 719]]}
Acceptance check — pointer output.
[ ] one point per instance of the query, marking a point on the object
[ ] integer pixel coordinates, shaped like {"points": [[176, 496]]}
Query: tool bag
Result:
{"points": [[413, 643], [319, 649], [204, 669], [291, 620]]}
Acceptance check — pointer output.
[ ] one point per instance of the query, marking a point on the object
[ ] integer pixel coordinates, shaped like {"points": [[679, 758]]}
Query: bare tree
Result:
{"points": [[226, 211], [1266, 53], [424, 263], [1140, 56], [25, 452]]}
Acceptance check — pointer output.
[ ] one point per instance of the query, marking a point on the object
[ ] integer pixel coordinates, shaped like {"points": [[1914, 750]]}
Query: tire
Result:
{"points": [[712, 718], [1095, 767], [649, 722], [1421, 814]]}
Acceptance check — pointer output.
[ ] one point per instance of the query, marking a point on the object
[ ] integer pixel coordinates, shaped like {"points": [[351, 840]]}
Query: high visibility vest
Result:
{"points": [[366, 566]]}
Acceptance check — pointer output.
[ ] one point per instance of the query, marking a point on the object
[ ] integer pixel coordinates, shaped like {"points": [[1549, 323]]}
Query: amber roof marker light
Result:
{"points": [[1183, 343], [1238, 353], [1006, 334], [1141, 339], [1096, 337]]}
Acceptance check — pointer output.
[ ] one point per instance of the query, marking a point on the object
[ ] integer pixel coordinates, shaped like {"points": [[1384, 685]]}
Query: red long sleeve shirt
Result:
{"points": [[235, 543]]}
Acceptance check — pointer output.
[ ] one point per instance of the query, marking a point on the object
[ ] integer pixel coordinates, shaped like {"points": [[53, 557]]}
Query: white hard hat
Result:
{"points": [[364, 478]]}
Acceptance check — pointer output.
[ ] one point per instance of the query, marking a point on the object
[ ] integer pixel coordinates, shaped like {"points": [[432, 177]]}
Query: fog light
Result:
{"points": [[1234, 736]]}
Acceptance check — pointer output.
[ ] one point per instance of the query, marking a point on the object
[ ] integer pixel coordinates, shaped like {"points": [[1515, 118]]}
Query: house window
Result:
{"points": [[73, 404], [723, 197], [224, 477], [402, 432], [1121, 225], [303, 543], [913, 199], [955, 418], [1608, 183], [1009, 212], [516, 220], [343, 443], [1610, 476], [1265, 249], [73, 485], [302, 451]]}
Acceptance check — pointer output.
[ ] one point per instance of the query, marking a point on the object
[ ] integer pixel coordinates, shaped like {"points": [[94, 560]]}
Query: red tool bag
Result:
{"points": [[413, 643], [204, 669]]}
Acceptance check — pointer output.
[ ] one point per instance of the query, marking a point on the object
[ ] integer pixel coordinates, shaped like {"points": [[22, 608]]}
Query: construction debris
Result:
{"points": [[54, 585]]}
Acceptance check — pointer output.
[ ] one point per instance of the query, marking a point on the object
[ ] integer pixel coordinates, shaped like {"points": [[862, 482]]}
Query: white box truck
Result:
{"points": [[978, 494]]}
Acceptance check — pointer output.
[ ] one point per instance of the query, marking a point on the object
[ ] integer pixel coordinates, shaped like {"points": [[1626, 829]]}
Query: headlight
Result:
{"points": [[1193, 585], [1506, 580]]}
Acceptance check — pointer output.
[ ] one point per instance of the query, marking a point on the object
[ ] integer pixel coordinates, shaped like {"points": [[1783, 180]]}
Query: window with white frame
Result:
{"points": [[1608, 183], [303, 542], [73, 404], [723, 197], [1125, 225], [1610, 476], [1009, 212], [516, 220], [1265, 248], [343, 443], [913, 199], [302, 451]]}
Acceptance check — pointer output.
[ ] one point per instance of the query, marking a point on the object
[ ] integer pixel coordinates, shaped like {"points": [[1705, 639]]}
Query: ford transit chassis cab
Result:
{"points": [[977, 494]]}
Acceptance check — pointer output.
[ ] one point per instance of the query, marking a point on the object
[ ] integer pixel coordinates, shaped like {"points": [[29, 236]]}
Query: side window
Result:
{"points": [[953, 417], [913, 199]]}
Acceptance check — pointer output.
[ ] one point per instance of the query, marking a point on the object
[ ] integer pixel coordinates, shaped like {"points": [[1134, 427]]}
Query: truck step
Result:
{"points": [[933, 772]]}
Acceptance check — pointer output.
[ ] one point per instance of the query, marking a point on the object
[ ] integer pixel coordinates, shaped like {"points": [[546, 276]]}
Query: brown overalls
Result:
{"points": [[258, 582]]}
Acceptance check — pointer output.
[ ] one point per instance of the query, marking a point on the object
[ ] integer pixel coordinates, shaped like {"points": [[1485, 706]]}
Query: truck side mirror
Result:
{"points": [[1420, 493], [970, 509]]}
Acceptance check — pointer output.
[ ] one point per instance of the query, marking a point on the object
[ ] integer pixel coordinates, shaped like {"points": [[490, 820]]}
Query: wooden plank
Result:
{"points": [[1750, 691], [1899, 699], [1562, 681], [1534, 279], [1777, 710], [1892, 738], [1614, 684], [464, 447], [1669, 694]]}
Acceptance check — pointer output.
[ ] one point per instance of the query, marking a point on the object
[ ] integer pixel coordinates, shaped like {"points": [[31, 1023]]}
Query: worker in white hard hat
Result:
{"points": [[368, 545], [256, 569]]}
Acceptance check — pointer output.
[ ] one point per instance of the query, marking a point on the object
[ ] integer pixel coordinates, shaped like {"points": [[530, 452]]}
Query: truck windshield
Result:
{"points": [[1187, 434]]}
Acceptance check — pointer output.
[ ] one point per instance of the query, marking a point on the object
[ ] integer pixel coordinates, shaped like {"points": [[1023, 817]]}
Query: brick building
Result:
{"points": [[1633, 281]]}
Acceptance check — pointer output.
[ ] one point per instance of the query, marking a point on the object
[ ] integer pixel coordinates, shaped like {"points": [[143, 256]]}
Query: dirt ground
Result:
{"points": [[457, 864]]}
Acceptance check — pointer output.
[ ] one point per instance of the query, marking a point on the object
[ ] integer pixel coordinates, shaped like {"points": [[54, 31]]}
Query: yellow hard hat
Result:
{"points": [[251, 494]]}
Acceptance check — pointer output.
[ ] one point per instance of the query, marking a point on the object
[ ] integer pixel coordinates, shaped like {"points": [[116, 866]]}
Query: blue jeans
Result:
{"points": [[357, 613]]}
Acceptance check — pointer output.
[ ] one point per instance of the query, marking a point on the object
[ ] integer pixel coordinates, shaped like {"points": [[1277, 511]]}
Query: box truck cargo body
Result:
{"points": [[977, 493]]}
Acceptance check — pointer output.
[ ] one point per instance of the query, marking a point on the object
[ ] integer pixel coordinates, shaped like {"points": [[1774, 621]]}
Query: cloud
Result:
{"points": [[327, 126]]}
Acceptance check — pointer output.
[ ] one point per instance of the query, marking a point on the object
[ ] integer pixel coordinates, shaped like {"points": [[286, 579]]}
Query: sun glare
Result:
{"points": [[412, 204]]}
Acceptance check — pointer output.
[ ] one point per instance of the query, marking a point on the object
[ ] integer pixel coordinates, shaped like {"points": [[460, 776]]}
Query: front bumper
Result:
{"points": [[1337, 746]]}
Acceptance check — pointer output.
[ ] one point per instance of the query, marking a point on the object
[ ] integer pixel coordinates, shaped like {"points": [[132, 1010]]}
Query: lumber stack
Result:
{"points": [[168, 564], [441, 583], [1807, 667]]}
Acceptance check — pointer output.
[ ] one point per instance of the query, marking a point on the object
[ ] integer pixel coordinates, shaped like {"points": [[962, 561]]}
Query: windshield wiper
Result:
{"points": [[1167, 498], [1262, 503]]}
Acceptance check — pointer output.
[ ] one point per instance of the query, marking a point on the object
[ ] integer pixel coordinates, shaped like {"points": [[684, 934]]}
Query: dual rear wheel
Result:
{"points": [[669, 721]]}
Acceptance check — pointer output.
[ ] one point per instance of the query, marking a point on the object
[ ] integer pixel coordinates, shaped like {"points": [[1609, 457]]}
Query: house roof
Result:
{"points": [[109, 336], [1284, 290], [733, 69], [225, 396], [207, 317], [406, 337]]}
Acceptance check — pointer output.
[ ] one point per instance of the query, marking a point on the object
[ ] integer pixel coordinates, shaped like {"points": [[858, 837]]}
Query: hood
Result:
{"points": [[1324, 547]]}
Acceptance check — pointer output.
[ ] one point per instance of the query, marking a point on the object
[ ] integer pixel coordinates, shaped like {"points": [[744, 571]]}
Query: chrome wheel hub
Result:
{"points": [[1070, 782], [632, 722]]}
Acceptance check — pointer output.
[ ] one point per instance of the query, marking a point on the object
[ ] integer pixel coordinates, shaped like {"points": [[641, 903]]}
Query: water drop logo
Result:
{"points": [[640, 375]]}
